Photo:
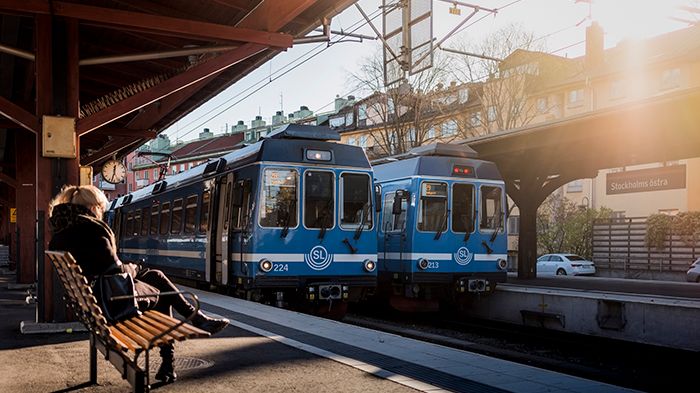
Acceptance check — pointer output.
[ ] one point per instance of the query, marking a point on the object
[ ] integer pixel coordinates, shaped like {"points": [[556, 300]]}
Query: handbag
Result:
{"points": [[108, 286]]}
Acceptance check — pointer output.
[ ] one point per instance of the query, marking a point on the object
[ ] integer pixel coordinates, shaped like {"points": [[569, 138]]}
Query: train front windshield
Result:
{"points": [[491, 208], [463, 208], [279, 198], [432, 211]]}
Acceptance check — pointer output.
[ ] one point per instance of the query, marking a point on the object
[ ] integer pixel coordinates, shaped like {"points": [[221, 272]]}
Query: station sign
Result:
{"points": [[670, 177]]}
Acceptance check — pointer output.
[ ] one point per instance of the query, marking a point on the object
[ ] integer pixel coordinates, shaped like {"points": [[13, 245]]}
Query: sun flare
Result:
{"points": [[635, 19]]}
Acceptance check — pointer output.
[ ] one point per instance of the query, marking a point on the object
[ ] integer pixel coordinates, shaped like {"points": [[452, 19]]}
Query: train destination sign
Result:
{"points": [[656, 179]]}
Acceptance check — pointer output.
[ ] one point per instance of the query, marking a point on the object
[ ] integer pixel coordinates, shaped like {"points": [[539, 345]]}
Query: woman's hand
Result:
{"points": [[131, 268]]}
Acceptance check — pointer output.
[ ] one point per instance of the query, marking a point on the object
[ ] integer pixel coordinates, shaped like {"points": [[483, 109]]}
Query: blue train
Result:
{"points": [[442, 235], [288, 220]]}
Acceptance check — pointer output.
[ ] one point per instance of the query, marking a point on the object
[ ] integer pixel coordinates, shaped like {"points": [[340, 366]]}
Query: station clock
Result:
{"points": [[113, 171]]}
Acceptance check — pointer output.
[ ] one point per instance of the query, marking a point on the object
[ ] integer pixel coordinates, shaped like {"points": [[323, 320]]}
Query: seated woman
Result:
{"points": [[75, 217]]}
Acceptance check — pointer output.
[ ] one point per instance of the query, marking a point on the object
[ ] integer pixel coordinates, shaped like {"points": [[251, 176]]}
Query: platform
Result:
{"points": [[269, 349]]}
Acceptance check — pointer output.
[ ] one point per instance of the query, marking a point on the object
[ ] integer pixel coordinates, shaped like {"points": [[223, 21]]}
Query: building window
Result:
{"points": [[513, 225], [145, 174], [348, 119], [491, 114], [155, 174], [362, 112], [363, 141], [575, 186], [475, 119], [351, 141], [670, 78], [431, 133], [617, 89], [575, 97], [542, 105], [449, 128], [390, 106], [129, 187], [463, 96], [336, 121]]}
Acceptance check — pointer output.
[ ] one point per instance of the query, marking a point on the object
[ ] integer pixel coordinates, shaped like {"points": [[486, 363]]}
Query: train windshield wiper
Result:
{"points": [[361, 227], [287, 219], [323, 217], [443, 225]]}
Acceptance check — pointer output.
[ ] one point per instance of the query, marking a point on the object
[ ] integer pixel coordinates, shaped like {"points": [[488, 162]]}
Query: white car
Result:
{"points": [[693, 274], [563, 265]]}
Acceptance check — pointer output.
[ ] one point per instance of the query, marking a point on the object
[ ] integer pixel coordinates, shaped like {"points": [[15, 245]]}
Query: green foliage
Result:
{"points": [[661, 226], [658, 229], [562, 226]]}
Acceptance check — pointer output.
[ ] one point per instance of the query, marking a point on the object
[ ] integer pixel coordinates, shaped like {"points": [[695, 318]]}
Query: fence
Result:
{"points": [[619, 246]]}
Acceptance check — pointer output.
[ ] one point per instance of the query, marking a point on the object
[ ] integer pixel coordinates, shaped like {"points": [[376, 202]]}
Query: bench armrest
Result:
{"points": [[169, 293]]}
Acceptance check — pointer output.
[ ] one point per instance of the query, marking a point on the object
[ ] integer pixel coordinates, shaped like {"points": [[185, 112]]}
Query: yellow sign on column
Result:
{"points": [[13, 215]]}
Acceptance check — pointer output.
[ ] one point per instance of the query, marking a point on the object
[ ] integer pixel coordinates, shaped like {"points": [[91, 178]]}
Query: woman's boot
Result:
{"points": [[166, 371], [211, 325]]}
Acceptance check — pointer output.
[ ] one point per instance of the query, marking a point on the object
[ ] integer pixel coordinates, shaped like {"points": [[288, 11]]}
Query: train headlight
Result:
{"points": [[370, 265], [423, 263], [265, 265], [502, 264]]}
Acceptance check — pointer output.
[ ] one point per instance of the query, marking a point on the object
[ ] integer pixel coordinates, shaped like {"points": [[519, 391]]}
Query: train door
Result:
{"points": [[223, 221], [241, 221], [394, 228]]}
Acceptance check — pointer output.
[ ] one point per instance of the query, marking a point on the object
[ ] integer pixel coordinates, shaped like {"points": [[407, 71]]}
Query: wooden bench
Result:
{"points": [[124, 342]]}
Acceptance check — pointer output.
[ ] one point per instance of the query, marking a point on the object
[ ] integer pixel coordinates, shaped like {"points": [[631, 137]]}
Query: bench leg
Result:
{"points": [[93, 361]]}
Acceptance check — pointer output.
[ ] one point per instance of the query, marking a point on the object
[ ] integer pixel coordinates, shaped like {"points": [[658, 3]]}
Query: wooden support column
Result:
{"points": [[25, 197]]}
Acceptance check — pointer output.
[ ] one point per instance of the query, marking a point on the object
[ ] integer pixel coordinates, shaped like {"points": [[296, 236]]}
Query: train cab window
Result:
{"points": [[154, 218], [137, 222], [393, 222], [129, 227], [279, 198], [190, 213], [491, 208], [144, 224], [164, 218], [204, 212], [356, 194], [463, 208], [432, 210], [176, 225], [319, 201]]}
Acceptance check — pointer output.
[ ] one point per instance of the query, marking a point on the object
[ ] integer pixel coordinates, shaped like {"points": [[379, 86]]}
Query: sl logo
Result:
{"points": [[318, 258], [463, 256]]}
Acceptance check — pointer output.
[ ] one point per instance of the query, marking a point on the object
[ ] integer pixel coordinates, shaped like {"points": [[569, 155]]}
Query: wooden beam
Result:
{"points": [[109, 150], [7, 179], [274, 15], [154, 112], [18, 115], [168, 87], [26, 6], [127, 132], [169, 26]]}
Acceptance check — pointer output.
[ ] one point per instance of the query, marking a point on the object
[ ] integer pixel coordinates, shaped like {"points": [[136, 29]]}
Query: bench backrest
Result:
{"points": [[79, 294]]}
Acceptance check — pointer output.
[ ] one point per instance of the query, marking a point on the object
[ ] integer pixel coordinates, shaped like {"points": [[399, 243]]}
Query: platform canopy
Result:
{"points": [[136, 66]]}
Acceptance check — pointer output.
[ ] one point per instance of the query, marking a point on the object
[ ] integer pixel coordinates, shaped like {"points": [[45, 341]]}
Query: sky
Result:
{"points": [[313, 74]]}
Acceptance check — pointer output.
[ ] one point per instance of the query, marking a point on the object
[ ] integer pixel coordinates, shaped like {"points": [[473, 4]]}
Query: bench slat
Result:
{"points": [[129, 323], [142, 342], [129, 343], [192, 331], [155, 327]]}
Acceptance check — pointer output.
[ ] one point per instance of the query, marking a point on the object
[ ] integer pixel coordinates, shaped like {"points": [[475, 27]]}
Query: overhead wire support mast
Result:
{"points": [[379, 35], [475, 8]]}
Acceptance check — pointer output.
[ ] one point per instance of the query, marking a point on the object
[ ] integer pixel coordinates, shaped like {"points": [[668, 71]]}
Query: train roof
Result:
{"points": [[284, 145], [438, 166]]}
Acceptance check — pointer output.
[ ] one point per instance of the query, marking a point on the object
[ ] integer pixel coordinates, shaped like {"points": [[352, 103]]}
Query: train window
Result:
{"points": [[432, 211], [164, 218], [491, 208], [190, 213], [154, 217], [319, 201], [204, 212], [176, 225], [463, 208], [137, 222], [129, 224], [144, 224], [279, 198], [393, 222], [356, 198]]}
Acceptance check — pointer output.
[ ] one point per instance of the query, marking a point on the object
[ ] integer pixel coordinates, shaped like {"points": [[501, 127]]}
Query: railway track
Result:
{"points": [[632, 365]]}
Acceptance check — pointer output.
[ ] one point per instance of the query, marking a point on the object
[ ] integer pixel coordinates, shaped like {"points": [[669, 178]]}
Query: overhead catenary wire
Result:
{"points": [[269, 79]]}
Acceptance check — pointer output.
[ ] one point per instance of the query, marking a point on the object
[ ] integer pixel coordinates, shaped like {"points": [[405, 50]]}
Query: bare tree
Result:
{"points": [[402, 116], [504, 89]]}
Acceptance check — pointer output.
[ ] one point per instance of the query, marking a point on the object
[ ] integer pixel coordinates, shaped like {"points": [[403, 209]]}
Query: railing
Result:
{"points": [[620, 244]]}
